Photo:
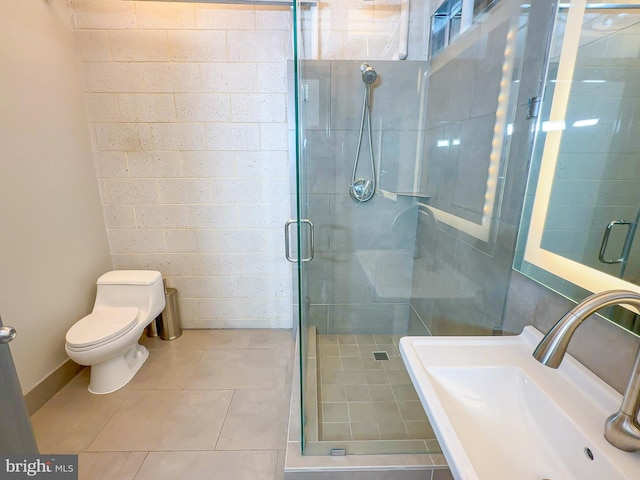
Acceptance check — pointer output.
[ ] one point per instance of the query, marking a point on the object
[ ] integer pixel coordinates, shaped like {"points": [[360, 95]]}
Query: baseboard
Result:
{"points": [[51, 385]]}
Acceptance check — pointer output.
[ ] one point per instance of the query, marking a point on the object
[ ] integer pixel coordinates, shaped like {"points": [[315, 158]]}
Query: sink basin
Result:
{"points": [[500, 414]]}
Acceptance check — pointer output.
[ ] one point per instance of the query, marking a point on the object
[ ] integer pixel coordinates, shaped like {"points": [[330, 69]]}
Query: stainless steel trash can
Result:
{"points": [[171, 327]]}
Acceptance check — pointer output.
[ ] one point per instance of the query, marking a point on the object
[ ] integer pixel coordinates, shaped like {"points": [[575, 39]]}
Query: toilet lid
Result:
{"points": [[101, 326]]}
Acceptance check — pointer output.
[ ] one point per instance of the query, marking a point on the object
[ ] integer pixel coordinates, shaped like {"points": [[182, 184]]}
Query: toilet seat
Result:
{"points": [[101, 326]]}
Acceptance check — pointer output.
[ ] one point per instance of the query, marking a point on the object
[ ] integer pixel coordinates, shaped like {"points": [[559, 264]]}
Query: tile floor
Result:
{"points": [[366, 399], [210, 404]]}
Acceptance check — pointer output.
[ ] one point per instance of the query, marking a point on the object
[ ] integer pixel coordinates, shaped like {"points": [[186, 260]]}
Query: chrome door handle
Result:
{"points": [[7, 334], [605, 241], [286, 241], [311, 241]]}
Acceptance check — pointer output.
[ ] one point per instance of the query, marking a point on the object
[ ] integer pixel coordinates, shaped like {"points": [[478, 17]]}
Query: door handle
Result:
{"points": [[7, 334], [286, 241], [287, 227], [605, 241], [312, 247]]}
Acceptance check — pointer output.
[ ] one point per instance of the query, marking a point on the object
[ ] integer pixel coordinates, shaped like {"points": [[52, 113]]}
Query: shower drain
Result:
{"points": [[380, 356]]}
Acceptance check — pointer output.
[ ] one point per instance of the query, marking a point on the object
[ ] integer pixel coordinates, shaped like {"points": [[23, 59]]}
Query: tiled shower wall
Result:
{"points": [[187, 110], [360, 278]]}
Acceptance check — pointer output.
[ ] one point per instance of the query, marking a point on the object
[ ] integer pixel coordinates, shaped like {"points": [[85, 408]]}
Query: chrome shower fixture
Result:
{"points": [[369, 74], [362, 189]]}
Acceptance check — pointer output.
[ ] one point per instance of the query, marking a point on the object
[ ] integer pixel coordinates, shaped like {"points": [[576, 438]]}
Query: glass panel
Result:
{"points": [[410, 260], [585, 171], [298, 209]]}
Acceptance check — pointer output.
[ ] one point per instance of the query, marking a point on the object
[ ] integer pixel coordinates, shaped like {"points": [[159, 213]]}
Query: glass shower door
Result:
{"points": [[299, 234], [398, 263]]}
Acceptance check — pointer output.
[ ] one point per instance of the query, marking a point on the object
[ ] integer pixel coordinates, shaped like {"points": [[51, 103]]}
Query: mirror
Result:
{"points": [[579, 228]]}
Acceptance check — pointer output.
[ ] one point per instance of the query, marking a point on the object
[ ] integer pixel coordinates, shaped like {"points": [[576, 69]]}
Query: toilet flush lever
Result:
{"points": [[6, 333]]}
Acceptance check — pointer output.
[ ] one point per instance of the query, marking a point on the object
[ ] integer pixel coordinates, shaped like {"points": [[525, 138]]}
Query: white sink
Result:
{"points": [[501, 415]]}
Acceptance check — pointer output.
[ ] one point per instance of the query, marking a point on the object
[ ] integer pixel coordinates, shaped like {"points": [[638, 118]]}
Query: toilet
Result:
{"points": [[107, 339]]}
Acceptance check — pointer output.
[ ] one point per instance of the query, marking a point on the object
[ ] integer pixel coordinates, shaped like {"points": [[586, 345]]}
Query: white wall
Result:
{"points": [[53, 243], [188, 112]]}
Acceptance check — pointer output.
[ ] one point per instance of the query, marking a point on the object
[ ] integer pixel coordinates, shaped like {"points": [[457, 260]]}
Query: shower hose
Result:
{"points": [[362, 190]]}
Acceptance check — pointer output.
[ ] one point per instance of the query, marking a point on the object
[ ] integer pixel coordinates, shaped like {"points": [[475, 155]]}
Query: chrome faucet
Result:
{"points": [[621, 429]]}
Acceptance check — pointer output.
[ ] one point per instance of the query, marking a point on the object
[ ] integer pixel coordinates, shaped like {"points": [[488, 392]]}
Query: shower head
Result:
{"points": [[369, 75]]}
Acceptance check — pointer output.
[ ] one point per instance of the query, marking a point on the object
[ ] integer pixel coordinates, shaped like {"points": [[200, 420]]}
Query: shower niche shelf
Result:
{"points": [[394, 195], [423, 196]]}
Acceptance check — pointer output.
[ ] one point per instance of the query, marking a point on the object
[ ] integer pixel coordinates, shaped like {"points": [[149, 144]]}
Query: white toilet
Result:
{"points": [[107, 339]]}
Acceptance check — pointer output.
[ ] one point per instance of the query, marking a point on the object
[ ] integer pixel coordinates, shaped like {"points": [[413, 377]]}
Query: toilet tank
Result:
{"points": [[142, 289]]}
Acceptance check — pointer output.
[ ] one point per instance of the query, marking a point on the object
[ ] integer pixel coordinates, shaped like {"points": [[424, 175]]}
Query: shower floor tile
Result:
{"points": [[361, 398]]}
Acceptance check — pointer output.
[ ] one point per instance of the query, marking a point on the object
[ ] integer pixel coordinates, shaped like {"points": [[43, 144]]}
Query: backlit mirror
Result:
{"points": [[578, 233]]}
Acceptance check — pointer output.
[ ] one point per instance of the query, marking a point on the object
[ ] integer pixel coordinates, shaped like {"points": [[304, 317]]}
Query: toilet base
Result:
{"points": [[109, 376]]}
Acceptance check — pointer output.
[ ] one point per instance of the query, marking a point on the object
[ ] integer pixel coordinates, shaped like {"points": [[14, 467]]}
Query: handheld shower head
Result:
{"points": [[369, 75]]}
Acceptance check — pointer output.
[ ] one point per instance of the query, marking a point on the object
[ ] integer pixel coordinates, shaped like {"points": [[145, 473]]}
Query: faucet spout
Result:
{"points": [[621, 429]]}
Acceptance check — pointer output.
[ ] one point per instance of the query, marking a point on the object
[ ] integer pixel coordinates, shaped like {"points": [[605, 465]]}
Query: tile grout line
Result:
{"points": [[226, 414], [395, 398], [193, 370], [105, 424], [139, 466]]}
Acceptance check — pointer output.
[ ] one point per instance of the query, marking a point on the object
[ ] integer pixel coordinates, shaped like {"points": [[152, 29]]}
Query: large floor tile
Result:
{"points": [[257, 420], [203, 340], [110, 465], [273, 340], [73, 418], [209, 465], [165, 369], [235, 369], [165, 420]]}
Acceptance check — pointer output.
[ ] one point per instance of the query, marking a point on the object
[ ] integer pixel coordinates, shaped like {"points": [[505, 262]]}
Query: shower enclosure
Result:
{"points": [[401, 152]]}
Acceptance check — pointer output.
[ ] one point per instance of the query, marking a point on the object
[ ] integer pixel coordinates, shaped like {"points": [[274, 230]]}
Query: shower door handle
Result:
{"points": [[287, 250], [286, 241], [311, 241], [605, 241]]}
